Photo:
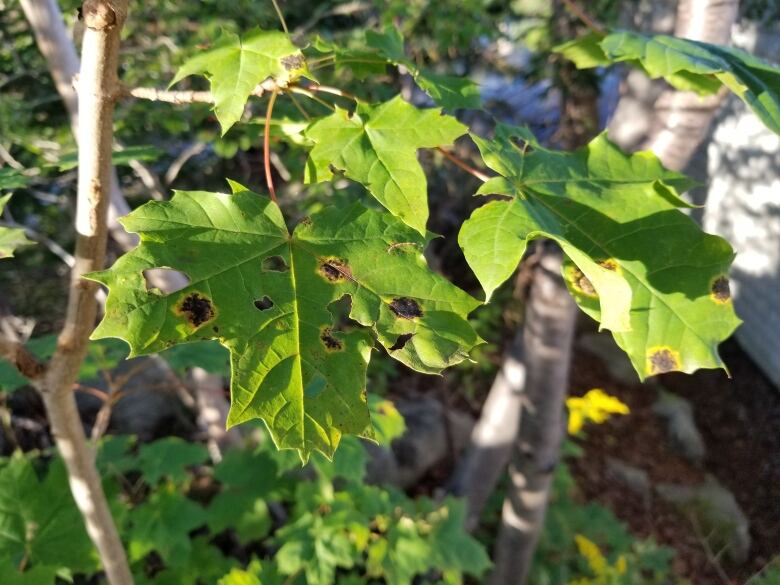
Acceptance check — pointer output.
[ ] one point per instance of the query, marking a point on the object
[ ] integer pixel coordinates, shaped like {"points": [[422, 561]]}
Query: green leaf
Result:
{"points": [[12, 179], [455, 549], [404, 554], [38, 575], [169, 457], [205, 564], [349, 462], [163, 524], [446, 90], [316, 546], [377, 146], [39, 520], [11, 238], [209, 355], [640, 266], [235, 66], [247, 478], [687, 65], [265, 294], [388, 423]]}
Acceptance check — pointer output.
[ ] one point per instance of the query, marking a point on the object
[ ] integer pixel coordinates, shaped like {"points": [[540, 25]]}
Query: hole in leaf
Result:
{"points": [[197, 308], [401, 341], [166, 280], [264, 304], [406, 308], [275, 264]]}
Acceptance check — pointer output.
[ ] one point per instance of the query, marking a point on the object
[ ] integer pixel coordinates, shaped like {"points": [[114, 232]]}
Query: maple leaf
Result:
{"points": [[11, 238], [687, 65], [236, 65], [265, 295], [377, 146], [638, 265]]}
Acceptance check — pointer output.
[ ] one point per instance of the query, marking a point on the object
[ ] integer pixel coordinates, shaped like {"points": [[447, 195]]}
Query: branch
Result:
{"points": [[179, 97], [27, 364], [98, 87], [588, 21], [463, 165]]}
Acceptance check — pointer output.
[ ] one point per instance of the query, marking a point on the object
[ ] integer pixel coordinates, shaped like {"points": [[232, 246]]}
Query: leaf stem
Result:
{"points": [[281, 17], [463, 165], [332, 90], [267, 144], [588, 21], [311, 96]]}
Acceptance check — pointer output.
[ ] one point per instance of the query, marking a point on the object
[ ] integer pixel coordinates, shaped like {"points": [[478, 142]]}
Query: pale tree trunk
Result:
{"points": [[547, 339], [483, 464], [97, 89], [681, 119], [57, 47]]}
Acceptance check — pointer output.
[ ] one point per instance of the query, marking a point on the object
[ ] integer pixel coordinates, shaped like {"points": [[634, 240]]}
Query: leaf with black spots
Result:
{"points": [[291, 364]]}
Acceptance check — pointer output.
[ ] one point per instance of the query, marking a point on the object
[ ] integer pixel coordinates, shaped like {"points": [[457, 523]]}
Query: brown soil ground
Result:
{"points": [[739, 419]]}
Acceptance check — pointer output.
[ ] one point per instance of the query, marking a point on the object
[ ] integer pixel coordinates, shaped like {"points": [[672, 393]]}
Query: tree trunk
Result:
{"points": [[547, 340], [98, 88], [58, 49], [681, 120], [485, 460]]}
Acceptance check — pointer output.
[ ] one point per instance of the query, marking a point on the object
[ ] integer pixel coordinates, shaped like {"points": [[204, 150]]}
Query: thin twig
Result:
{"points": [[281, 17], [464, 165], [192, 150], [311, 96], [298, 105], [267, 144], [24, 361], [332, 90], [588, 21], [177, 97]]}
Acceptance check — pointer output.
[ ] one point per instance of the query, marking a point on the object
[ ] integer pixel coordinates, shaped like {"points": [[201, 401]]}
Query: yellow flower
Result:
{"points": [[596, 406]]}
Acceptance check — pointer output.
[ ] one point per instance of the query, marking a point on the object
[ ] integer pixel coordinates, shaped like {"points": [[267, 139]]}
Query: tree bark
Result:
{"points": [[98, 86], [58, 49], [681, 120], [547, 340], [486, 459]]}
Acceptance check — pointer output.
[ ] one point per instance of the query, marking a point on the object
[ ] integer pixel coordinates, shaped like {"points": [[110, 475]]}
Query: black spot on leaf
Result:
{"points": [[401, 341], [275, 264], [292, 62], [264, 304], [406, 308], [335, 270], [720, 289], [663, 360], [330, 342], [197, 308]]}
